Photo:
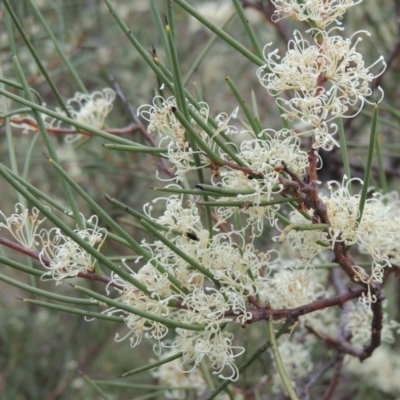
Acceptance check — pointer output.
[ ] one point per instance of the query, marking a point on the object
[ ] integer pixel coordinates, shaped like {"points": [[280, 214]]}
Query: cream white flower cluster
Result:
{"points": [[90, 109], [327, 78], [234, 274], [323, 13], [209, 277], [162, 119], [358, 324], [380, 371], [266, 158], [375, 235], [23, 225], [67, 258]]}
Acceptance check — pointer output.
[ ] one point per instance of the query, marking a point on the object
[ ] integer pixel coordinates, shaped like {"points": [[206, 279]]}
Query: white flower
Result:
{"points": [[265, 157], [322, 12], [358, 323], [290, 287], [381, 370], [161, 118], [216, 346], [327, 78], [23, 225], [90, 109], [308, 243], [387, 242], [67, 258], [155, 305]]}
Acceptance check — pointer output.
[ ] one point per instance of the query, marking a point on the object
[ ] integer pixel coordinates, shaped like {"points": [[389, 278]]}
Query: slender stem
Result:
{"points": [[59, 49], [381, 166], [368, 167], [153, 365], [343, 147], [96, 387], [45, 293], [250, 118], [132, 310], [278, 361], [223, 35], [36, 56], [196, 63], [70, 232], [248, 28], [76, 311], [49, 145]]}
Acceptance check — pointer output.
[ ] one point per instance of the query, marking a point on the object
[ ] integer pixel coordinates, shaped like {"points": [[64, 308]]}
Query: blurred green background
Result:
{"points": [[48, 355]]}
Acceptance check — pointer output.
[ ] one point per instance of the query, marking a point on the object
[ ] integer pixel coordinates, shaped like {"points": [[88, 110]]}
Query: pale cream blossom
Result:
{"points": [[358, 322], [266, 158], [381, 370], [23, 225], [173, 135], [323, 13], [90, 109], [326, 79], [67, 258]]}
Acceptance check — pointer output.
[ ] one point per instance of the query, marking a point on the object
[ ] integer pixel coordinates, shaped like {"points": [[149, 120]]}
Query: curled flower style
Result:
{"points": [[161, 118], [156, 304], [67, 258], [266, 158], [236, 270], [176, 217], [323, 13], [315, 112], [23, 225], [343, 212]]}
